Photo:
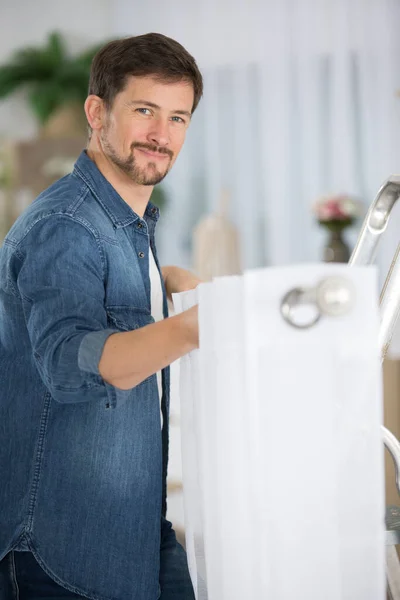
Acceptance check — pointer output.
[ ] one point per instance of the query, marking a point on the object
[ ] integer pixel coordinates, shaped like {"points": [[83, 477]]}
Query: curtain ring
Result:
{"points": [[333, 296], [300, 297]]}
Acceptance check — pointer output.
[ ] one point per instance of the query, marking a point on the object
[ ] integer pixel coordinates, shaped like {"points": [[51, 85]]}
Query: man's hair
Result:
{"points": [[152, 54]]}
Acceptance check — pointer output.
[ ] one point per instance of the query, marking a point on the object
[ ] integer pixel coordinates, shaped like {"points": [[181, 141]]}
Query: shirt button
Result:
{"points": [[141, 255], [140, 225]]}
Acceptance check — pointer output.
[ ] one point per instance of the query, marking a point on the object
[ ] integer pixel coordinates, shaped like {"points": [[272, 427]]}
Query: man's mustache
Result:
{"points": [[151, 148]]}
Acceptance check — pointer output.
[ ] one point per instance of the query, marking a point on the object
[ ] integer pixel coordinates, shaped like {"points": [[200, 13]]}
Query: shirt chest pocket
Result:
{"points": [[127, 318]]}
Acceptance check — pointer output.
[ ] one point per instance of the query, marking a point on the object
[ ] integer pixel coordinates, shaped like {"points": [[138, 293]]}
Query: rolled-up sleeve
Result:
{"points": [[61, 278]]}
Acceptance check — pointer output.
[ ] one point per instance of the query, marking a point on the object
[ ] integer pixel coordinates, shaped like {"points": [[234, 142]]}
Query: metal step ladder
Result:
{"points": [[374, 226]]}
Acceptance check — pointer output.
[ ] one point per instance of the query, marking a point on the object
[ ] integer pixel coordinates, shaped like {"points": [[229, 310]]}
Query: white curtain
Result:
{"points": [[281, 441]]}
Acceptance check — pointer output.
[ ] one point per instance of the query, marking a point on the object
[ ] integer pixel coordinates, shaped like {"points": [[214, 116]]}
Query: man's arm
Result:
{"points": [[130, 357], [59, 279]]}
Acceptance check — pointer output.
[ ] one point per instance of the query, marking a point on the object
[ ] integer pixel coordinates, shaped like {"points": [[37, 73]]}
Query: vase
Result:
{"points": [[336, 249], [67, 121]]}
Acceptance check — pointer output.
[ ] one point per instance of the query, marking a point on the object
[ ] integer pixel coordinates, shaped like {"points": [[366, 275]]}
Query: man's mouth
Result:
{"points": [[153, 155]]}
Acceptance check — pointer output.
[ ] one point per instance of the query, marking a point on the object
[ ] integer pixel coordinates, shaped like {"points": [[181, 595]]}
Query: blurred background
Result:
{"points": [[301, 105]]}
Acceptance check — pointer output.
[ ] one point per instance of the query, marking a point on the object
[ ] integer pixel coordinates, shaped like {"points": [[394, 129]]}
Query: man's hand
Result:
{"points": [[178, 280]]}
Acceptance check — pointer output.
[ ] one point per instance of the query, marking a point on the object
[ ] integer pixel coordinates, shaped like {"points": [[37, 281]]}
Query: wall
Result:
{"points": [[203, 27]]}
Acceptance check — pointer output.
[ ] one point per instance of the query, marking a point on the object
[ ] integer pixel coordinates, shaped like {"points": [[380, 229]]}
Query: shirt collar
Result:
{"points": [[117, 209]]}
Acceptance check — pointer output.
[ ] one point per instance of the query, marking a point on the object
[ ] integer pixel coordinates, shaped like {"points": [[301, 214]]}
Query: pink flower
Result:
{"points": [[336, 208]]}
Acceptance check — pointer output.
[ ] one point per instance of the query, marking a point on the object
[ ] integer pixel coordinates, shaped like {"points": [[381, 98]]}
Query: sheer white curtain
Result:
{"points": [[300, 100], [281, 441]]}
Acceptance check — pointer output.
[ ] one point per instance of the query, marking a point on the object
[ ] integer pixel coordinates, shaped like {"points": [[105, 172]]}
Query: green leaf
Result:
{"points": [[158, 196], [45, 98], [56, 49]]}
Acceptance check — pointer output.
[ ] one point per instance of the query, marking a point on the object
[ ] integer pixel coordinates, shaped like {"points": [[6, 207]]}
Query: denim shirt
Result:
{"points": [[82, 464]]}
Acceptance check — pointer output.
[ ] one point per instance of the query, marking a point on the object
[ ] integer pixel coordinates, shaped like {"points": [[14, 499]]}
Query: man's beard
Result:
{"points": [[149, 175]]}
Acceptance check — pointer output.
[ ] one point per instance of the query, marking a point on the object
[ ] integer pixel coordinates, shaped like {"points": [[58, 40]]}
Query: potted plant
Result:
{"points": [[56, 83]]}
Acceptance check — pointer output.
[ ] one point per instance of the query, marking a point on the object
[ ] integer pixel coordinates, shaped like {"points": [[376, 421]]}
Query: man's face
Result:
{"points": [[145, 128]]}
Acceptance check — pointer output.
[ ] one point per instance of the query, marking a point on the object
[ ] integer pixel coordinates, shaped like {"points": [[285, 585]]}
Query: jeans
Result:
{"points": [[21, 577]]}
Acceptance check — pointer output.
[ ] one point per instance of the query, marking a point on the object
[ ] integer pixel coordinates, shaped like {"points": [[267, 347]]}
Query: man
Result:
{"points": [[83, 343]]}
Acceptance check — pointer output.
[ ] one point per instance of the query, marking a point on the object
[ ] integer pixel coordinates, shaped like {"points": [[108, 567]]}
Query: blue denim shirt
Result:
{"points": [[82, 464]]}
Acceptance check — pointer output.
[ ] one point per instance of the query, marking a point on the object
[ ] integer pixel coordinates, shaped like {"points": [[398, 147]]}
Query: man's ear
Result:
{"points": [[95, 112]]}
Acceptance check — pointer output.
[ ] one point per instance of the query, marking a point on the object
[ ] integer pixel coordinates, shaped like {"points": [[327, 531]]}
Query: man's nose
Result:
{"points": [[159, 133]]}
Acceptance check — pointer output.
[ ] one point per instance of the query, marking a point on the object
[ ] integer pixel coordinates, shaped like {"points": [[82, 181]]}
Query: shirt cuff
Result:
{"points": [[89, 354], [91, 349]]}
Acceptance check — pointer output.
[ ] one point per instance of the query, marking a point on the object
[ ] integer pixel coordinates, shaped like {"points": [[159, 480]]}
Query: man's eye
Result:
{"points": [[178, 119], [144, 111]]}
